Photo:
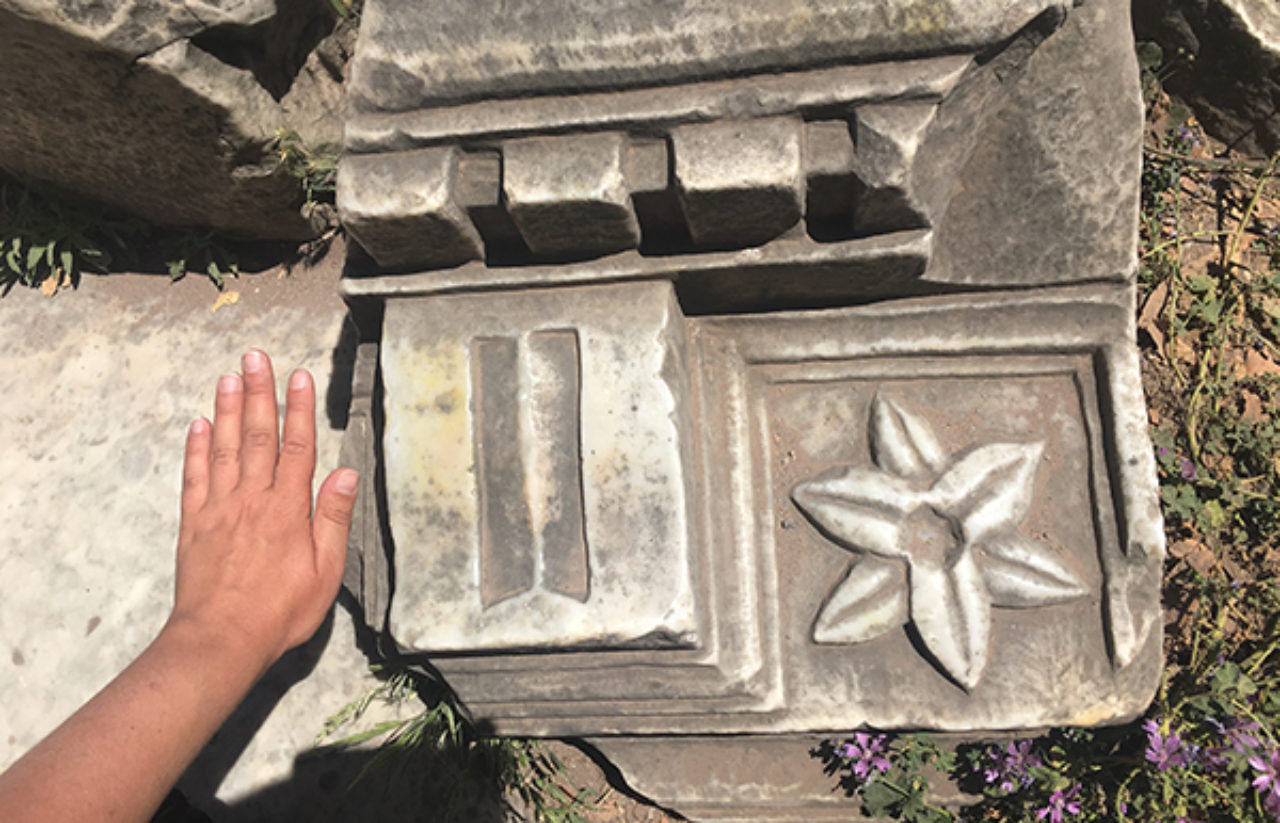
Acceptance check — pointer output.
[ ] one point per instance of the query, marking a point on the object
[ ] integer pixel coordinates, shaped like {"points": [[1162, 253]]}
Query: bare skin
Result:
{"points": [[257, 572]]}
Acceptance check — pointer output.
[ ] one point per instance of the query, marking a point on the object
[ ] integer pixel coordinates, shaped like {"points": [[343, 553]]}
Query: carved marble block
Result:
{"points": [[770, 383]]}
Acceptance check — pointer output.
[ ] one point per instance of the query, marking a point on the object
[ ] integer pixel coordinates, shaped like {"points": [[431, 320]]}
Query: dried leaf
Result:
{"points": [[49, 287], [227, 298], [871, 600], [1256, 363], [1182, 349], [1196, 554], [1152, 310]]}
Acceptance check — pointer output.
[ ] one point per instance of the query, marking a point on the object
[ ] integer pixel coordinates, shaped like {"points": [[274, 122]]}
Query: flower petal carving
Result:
{"points": [[871, 600], [1022, 574], [902, 443], [989, 489], [952, 612], [949, 530], [859, 508]]}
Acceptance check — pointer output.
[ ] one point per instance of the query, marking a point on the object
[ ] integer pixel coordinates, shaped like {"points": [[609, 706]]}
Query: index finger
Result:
{"points": [[298, 443]]}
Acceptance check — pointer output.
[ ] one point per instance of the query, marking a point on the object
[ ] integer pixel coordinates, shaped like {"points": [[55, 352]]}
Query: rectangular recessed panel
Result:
{"points": [[507, 566], [556, 471]]}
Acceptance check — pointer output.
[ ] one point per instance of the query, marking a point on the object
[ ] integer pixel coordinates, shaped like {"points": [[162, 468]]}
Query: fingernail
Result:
{"points": [[199, 425], [254, 361], [298, 380], [346, 481], [228, 383]]}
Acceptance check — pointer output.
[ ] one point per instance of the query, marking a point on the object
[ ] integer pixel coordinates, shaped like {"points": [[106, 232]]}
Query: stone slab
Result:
{"points": [[414, 55], [538, 465], [834, 433], [99, 387]]}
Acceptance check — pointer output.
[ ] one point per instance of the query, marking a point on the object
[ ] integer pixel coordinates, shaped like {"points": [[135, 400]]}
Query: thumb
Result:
{"points": [[331, 523]]}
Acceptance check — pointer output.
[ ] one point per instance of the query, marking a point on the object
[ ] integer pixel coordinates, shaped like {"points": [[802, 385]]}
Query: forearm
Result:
{"points": [[118, 756]]}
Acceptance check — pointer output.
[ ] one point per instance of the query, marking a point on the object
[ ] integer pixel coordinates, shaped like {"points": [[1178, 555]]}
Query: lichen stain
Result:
{"points": [[799, 17], [926, 17]]}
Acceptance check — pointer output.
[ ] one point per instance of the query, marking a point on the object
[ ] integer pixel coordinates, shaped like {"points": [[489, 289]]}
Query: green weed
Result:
{"points": [[49, 240], [457, 769]]}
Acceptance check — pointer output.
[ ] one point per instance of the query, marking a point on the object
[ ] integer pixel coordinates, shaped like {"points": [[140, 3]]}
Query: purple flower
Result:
{"points": [[1268, 780], [1242, 737], [1060, 802], [1165, 752], [1187, 469], [866, 753], [1011, 766]]}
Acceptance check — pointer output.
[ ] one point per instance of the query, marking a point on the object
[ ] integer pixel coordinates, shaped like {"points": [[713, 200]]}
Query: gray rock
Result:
{"points": [[1229, 69], [165, 109]]}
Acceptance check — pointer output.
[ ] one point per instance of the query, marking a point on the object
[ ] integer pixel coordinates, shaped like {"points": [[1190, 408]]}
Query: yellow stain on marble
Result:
{"points": [[436, 431], [926, 16], [1093, 715]]}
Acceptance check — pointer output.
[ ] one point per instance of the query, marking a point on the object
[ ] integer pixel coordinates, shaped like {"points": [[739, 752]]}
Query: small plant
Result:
{"points": [[886, 773], [49, 240], [457, 768], [194, 250], [315, 171]]}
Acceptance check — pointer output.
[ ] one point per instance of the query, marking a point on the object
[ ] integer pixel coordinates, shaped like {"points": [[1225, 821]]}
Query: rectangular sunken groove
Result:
{"points": [[552, 444], [507, 565]]}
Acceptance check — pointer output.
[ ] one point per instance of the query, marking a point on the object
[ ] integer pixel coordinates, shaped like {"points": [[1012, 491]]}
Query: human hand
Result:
{"points": [[255, 567]]}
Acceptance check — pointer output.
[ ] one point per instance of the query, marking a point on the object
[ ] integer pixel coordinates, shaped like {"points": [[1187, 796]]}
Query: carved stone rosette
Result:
{"points": [[759, 389]]}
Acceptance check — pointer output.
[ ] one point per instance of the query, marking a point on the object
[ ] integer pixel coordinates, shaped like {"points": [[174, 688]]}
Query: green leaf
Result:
{"points": [[1150, 55], [1201, 283], [215, 274], [33, 256], [878, 799]]}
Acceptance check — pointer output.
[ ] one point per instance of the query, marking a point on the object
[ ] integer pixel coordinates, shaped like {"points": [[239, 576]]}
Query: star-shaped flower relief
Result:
{"points": [[937, 541]]}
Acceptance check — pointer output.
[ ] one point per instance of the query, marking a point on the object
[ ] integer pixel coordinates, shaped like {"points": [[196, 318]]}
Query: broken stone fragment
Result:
{"points": [[166, 109]]}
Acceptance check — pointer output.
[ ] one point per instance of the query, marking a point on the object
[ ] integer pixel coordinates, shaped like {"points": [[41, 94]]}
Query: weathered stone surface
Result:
{"points": [[569, 195], [91, 513], [899, 515], [464, 50], [888, 137], [164, 109], [852, 444], [538, 470], [741, 182], [1230, 74], [405, 210], [1030, 202], [759, 95]]}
